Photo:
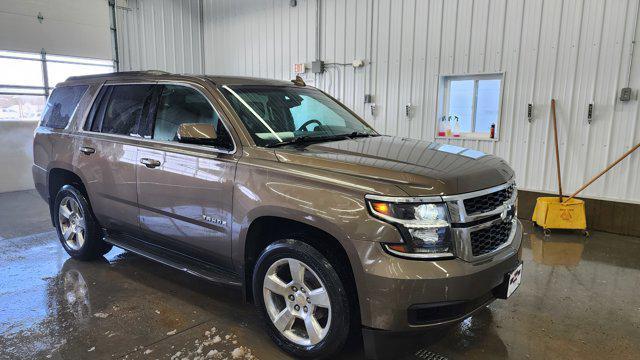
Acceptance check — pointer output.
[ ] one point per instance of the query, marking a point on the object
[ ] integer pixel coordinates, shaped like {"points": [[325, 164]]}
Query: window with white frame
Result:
{"points": [[469, 106], [26, 79]]}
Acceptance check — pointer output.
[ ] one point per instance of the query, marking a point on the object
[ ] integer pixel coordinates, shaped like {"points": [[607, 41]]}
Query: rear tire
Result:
{"points": [[76, 226], [308, 314]]}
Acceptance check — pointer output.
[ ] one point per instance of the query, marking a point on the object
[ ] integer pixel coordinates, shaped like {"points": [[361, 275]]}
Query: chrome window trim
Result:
{"points": [[143, 140], [137, 140]]}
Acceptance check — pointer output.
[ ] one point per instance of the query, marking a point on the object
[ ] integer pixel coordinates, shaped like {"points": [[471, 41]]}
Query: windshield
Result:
{"points": [[280, 115]]}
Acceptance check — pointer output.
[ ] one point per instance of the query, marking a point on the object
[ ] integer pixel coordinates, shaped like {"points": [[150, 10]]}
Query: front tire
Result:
{"points": [[302, 299], [76, 226]]}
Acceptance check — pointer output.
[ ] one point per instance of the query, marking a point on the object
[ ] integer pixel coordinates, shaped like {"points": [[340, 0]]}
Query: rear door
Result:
{"points": [[108, 154], [185, 191]]}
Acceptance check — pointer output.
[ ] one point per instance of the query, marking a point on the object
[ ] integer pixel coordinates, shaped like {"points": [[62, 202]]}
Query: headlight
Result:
{"points": [[425, 227]]}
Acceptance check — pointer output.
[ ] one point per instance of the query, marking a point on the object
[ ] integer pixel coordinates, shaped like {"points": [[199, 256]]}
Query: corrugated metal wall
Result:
{"points": [[160, 35], [573, 50], [577, 51]]}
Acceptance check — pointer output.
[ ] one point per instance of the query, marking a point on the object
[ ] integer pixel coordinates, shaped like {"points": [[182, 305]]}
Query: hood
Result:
{"points": [[420, 168]]}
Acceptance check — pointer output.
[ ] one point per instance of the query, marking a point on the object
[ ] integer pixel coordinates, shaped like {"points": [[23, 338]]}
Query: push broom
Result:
{"points": [[609, 167], [555, 212], [559, 213]]}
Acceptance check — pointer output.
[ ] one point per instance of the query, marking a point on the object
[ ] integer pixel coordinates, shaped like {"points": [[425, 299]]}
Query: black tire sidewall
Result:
{"points": [[93, 246], [340, 316]]}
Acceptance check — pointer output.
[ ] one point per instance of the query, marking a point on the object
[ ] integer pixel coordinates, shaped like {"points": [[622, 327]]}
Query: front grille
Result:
{"points": [[486, 240], [488, 202]]}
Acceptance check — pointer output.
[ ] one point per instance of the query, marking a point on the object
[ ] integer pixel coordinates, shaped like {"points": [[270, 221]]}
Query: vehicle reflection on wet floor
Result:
{"points": [[578, 299]]}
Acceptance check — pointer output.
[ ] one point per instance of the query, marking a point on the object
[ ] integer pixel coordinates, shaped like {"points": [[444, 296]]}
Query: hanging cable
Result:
{"points": [[633, 45]]}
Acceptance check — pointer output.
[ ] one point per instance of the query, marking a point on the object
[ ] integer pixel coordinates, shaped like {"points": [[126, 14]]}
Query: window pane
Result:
{"points": [[21, 107], [488, 105], [461, 103], [311, 109], [181, 105], [125, 108], [273, 114], [19, 54], [20, 72], [22, 91], [61, 106], [59, 72]]}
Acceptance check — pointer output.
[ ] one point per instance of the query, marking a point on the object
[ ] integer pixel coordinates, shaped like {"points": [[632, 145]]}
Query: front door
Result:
{"points": [[185, 191]]}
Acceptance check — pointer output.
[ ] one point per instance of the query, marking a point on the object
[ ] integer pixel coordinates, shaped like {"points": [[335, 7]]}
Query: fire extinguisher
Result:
{"points": [[492, 132]]}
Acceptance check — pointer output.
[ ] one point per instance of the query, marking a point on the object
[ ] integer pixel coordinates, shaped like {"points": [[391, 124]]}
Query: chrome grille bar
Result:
{"points": [[465, 224]]}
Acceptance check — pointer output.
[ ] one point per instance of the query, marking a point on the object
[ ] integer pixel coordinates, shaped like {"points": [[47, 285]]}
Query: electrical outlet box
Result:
{"points": [[368, 99], [625, 94], [317, 66]]}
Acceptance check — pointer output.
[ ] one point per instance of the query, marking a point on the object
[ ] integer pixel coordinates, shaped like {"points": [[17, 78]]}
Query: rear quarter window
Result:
{"points": [[61, 105]]}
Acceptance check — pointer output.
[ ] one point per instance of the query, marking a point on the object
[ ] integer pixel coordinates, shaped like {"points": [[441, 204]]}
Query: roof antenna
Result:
{"points": [[298, 81]]}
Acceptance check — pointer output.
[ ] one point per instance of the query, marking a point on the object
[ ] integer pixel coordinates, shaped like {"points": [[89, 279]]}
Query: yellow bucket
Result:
{"points": [[550, 213]]}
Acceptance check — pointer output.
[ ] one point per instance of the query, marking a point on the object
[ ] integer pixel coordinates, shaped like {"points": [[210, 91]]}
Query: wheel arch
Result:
{"points": [[265, 230], [59, 177]]}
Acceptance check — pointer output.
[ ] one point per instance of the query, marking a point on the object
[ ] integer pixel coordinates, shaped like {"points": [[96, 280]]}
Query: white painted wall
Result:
{"points": [[74, 28], [577, 51], [16, 155]]}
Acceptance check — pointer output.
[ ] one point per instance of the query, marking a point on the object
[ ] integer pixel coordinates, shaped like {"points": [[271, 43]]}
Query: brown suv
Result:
{"points": [[280, 189]]}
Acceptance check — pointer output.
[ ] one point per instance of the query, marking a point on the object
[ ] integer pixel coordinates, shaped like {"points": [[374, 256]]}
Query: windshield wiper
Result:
{"points": [[308, 139], [295, 140], [357, 134]]}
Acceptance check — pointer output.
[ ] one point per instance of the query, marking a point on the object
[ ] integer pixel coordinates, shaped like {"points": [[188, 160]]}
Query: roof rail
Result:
{"points": [[121, 74]]}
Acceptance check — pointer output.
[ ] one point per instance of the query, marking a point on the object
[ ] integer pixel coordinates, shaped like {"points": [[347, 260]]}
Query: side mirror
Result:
{"points": [[194, 133]]}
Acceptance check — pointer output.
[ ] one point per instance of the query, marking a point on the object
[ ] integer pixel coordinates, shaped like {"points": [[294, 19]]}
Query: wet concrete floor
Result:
{"points": [[580, 299]]}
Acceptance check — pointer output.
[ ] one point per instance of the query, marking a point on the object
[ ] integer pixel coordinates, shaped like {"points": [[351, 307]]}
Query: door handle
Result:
{"points": [[87, 150], [150, 163]]}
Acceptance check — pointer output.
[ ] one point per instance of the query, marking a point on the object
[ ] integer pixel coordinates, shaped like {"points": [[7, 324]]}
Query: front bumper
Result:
{"points": [[402, 295]]}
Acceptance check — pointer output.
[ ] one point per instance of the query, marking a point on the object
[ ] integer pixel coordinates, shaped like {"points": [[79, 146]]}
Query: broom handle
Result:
{"points": [[603, 172], [555, 137]]}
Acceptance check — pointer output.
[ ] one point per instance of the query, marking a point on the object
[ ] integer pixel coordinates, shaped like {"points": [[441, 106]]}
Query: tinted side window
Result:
{"points": [[124, 109], [61, 105], [93, 119], [179, 105]]}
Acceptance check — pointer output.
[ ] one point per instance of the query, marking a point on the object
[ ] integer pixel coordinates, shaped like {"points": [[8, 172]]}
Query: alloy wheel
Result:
{"points": [[297, 302], [72, 223]]}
